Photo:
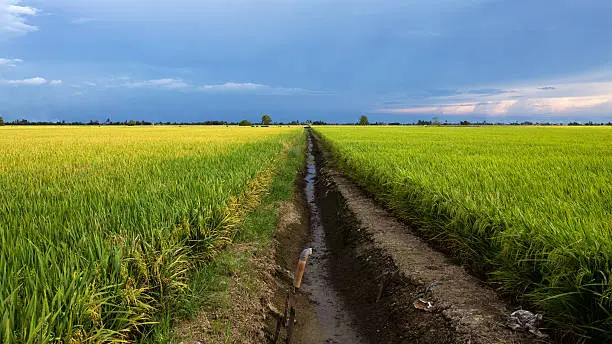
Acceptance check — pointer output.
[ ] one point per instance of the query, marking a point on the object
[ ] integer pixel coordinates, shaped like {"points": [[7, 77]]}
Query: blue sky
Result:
{"points": [[395, 60]]}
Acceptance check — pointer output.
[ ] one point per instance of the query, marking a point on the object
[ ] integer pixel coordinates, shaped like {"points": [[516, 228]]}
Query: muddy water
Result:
{"points": [[330, 307]]}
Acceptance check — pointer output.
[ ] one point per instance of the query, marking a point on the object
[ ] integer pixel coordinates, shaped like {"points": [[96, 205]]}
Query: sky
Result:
{"points": [[333, 60]]}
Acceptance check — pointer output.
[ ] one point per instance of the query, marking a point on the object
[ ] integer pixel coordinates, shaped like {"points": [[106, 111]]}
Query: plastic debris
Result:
{"points": [[299, 272], [423, 305], [432, 286], [307, 252], [523, 320]]}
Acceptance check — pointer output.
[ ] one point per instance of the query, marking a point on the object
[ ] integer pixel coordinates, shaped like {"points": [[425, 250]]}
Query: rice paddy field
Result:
{"points": [[530, 208], [100, 226]]}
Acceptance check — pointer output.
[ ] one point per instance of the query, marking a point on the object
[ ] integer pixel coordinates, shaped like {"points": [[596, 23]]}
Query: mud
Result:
{"points": [[322, 315], [291, 237], [368, 269], [331, 308]]}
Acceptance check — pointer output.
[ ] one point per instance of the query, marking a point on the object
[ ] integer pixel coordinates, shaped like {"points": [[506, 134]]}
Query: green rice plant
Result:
{"points": [[100, 226], [529, 207]]}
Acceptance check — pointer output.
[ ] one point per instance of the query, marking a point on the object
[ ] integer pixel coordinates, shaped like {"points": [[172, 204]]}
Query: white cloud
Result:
{"points": [[234, 86], [159, 83], [554, 98], [525, 106], [260, 89], [497, 108], [10, 62], [458, 109], [91, 84], [566, 104], [37, 81], [21, 10], [13, 18]]}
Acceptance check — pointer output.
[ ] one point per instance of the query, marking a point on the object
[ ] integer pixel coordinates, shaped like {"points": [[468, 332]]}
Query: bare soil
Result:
{"points": [[240, 318]]}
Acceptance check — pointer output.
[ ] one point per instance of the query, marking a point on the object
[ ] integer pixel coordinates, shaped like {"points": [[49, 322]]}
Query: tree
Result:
{"points": [[244, 123], [266, 119], [1, 120], [364, 120]]}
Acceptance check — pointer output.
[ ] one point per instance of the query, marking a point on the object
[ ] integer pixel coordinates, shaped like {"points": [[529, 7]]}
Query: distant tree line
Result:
{"points": [[464, 123], [267, 120], [364, 121], [127, 122]]}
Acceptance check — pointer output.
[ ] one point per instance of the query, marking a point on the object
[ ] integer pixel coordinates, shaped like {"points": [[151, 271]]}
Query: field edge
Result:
{"points": [[230, 295], [479, 264]]}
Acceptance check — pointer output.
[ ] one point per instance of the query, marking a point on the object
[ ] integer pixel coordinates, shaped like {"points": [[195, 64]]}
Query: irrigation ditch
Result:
{"points": [[370, 279]]}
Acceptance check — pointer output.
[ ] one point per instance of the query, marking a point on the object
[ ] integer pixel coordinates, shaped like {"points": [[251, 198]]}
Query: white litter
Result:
{"points": [[423, 305], [523, 320]]}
